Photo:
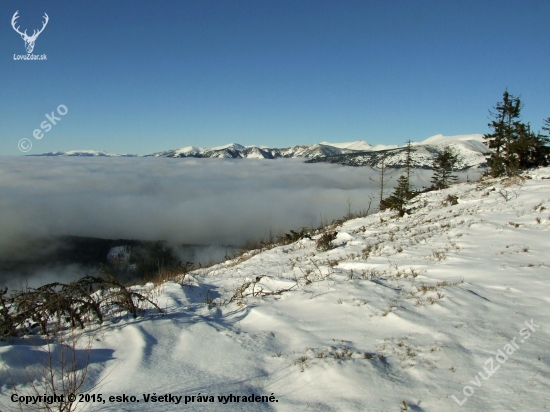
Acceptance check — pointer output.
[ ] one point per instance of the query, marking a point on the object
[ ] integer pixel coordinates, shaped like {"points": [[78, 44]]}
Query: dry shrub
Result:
{"points": [[324, 243], [56, 368], [52, 306]]}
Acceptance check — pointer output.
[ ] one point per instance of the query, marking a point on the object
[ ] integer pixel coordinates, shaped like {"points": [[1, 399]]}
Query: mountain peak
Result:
{"points": [[228, 146], [356, 145], [440, 139]]}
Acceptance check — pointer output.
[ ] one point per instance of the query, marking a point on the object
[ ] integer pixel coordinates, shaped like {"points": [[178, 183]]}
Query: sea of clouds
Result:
{"points": [[192, 201]]}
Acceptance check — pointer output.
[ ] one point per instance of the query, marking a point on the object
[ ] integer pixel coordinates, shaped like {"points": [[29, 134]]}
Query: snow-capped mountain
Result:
{"points": [[470, 149], [237, 151], [360, 145], [84, 153]]}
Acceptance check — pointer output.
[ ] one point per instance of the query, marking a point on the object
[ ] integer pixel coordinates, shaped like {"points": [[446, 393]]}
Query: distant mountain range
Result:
{"points": [[470, 149], [84, 153]]}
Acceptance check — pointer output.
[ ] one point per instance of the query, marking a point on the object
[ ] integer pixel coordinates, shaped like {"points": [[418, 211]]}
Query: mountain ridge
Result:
{"points": [[470, 149]]}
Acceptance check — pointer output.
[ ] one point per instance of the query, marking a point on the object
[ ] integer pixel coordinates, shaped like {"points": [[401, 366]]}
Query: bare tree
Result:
{"points": [[408, 163], [349, 201], [56, 374], [381, 170]]}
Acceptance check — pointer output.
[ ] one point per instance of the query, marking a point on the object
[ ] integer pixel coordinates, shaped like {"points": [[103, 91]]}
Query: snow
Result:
{"points": [[118, 255], [439, 138], [470, 142], [378, 147], [82, 153], [228, 146], [360, 145], [402, 309], [255, 153], [357, 145], [88, 153], [189, 150]]}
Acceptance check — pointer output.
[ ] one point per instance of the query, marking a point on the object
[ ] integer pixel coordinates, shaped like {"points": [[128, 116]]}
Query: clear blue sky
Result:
{"points": [[143, 76]]}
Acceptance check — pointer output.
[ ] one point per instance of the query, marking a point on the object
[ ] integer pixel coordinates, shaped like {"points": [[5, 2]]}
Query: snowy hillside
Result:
{"points": [[439, 138], [360, 145], [446, 306]]}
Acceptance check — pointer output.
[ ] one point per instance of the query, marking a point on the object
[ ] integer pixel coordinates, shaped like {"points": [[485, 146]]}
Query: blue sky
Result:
{"points": [[144, 76]]}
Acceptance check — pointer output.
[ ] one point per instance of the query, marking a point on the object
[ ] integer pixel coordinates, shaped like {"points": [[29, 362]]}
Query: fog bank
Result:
{"points": [[192, 201]]}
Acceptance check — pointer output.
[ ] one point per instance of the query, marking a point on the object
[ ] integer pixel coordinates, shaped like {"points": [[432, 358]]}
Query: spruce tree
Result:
{"points": [[505, 132], [399, 197], [402, 192], [532, 150], [444, 165]]}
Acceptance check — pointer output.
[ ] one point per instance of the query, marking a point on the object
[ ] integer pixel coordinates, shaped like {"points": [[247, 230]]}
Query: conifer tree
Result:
{"points": [[532, 150], [444, 165], [402, 192], [399, 197], [505, 132]]}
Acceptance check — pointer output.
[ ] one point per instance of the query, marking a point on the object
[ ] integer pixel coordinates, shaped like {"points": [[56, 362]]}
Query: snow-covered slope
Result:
{"points": [[473, 142], [360, 145], [445, 306], [439, 138]]}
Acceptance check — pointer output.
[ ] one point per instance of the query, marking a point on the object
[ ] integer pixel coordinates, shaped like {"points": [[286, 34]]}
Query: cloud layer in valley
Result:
{"points": [[192, 201]]}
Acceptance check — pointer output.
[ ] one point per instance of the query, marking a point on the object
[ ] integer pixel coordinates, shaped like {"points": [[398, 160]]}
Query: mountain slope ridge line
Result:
{"points": [[471, 149]]}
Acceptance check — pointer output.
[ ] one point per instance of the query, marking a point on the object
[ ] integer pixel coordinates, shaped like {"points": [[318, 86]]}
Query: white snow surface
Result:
{"points": [[439, 138], [470, 142], [357, 145], [360, 145], [228, 146], [84, 153], [189, 150], [400, 309]]}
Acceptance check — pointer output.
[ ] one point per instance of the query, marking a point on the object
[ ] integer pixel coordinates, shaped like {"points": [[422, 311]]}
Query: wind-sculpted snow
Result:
{"points": [[399, 313]]}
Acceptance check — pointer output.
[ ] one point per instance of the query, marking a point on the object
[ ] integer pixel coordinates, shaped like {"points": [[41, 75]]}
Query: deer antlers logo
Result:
{"points": [[29, 40]]}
